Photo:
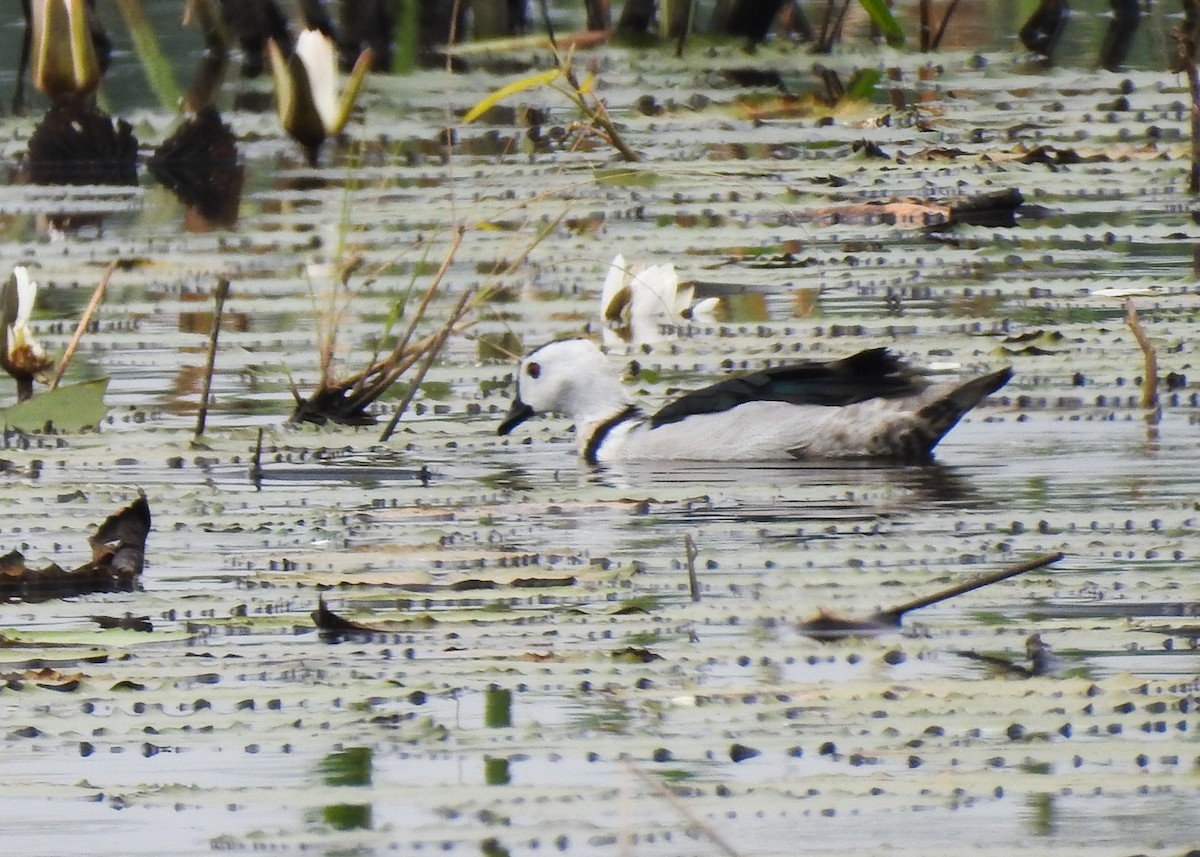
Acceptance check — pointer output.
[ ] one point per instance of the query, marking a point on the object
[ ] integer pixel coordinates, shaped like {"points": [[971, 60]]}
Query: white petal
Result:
{"points": [[317, 54], [654, 291], [683, 300], [614, 282], [26, 295], [706, 309]]}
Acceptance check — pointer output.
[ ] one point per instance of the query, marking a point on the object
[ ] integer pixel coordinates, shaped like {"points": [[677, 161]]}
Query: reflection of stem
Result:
{"points": [[97, 296], [222, 292], [1150, 372]]}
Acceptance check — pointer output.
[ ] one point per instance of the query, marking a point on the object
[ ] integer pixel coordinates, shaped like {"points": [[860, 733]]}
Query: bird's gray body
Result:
{"points": [[864, 406]]}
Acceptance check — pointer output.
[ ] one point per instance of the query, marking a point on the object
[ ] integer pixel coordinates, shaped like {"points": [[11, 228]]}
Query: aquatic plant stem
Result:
{"points": [[431, 354], [689, 548], [221, 293], [595, 112], [97, 296], [893, 615], [1185, 37], [150, 54], [256, 471], [941, 30], [1150, 358]]}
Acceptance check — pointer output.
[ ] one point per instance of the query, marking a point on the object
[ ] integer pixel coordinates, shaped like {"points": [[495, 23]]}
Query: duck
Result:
{"points": [[869, 405]]}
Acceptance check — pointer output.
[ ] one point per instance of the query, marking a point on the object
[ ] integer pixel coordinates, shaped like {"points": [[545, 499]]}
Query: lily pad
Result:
{"points": [[63, 409]]}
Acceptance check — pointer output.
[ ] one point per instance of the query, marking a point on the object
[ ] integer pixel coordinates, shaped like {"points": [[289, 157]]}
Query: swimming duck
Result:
{"points": [[868, 405]]}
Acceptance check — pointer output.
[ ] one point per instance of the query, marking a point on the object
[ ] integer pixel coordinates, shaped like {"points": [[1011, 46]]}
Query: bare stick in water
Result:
{"points": [[689, 546], [97, 296], [222, 292], [1150, 372]]}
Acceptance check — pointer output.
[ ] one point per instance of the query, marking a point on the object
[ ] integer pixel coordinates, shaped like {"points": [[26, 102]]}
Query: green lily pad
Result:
{"points": [[64, 409]]}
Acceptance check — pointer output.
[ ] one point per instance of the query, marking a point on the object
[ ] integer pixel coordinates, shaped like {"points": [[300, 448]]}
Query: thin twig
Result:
{"points": [[256, 471], [430, 355], [894, 614], [97, 296], [941, 30], [596, 112], [362, 381], [221, 293], [704, 827]]}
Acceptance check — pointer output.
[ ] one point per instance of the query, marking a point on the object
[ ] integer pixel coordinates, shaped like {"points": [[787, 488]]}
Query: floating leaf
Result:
{"points": [[63, 409]]}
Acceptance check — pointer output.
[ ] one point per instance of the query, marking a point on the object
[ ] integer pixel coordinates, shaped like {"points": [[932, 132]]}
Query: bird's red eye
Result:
{"points": [[533, 370]]}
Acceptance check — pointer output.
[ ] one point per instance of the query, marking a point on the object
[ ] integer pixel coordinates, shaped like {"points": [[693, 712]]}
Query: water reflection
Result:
{"points": [[199, 164], [919, 484]]}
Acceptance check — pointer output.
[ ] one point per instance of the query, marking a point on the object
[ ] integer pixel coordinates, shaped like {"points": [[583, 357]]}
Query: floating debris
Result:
{"points": [[118, 554], [828, 626]]}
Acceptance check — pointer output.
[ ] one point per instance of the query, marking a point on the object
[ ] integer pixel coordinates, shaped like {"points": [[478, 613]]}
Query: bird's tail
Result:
{"points": [[943, 413]]}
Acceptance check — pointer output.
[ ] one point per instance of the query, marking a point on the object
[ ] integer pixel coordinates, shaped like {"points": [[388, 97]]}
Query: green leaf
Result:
{"points": [[491, 100], [863, 84], [881, 16], [68, 409]]}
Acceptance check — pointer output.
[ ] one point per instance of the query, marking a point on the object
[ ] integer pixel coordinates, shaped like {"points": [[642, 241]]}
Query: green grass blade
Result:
{"points": [[881, 16]]}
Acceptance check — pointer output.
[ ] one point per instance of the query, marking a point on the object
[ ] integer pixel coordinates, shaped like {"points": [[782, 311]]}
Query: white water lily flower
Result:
{"points": [[645, 304], [64, 60], [306, 89], [20, 355]]}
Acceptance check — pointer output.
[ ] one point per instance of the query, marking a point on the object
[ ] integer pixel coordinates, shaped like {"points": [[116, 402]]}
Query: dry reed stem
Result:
{"points": [[221, 293], [383, 367], [97, 296], [689, 547], [595, 111], [431, 353], [684, 812], [1150, 372]]}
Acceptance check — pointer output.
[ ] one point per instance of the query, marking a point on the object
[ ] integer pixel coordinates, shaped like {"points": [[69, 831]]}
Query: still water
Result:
{"points": [[540, 676]]}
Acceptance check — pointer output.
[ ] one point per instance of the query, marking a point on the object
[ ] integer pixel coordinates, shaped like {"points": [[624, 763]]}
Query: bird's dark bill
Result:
{"points": [[517, 414]]}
